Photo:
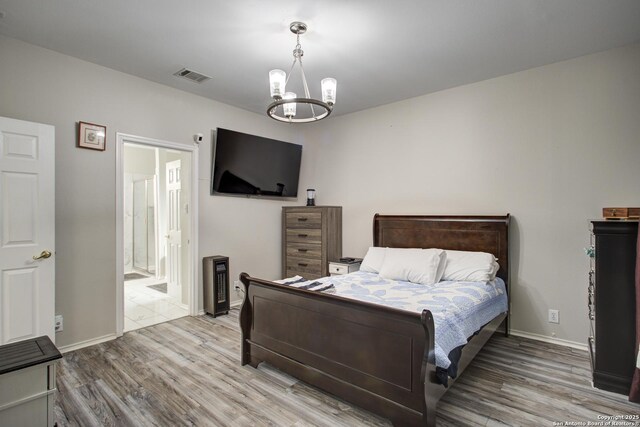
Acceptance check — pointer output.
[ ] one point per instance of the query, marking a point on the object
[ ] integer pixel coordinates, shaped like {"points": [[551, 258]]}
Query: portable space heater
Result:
{"points": [[215, 273]]}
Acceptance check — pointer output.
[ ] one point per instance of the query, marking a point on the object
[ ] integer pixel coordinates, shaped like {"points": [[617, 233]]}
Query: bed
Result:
{"points": [[379, 358]]}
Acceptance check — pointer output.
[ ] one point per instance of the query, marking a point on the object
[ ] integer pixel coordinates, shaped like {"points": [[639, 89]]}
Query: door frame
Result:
{"points": [[193, 150]]}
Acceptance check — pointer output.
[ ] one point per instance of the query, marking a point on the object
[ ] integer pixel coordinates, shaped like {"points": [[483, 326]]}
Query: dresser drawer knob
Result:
{"points": [[302, 264], [303, 250], [302, 219], [303, 235]]}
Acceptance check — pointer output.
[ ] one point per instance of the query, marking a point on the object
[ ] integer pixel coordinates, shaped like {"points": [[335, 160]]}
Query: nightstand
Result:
{"points": [[337, 268], [28, 382]]}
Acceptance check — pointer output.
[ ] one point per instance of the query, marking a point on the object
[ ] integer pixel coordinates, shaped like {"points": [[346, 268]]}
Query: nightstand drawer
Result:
{"points": [[303, 235], [22, 385], [311, 250], [336, 268], [303, 219]]}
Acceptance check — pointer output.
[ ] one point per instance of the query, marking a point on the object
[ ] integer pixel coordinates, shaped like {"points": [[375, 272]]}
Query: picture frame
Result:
{"points": [[92, 136]]}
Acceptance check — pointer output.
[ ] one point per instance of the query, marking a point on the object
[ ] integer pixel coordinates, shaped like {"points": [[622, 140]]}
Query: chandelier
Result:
{"points": [[287, 107]]}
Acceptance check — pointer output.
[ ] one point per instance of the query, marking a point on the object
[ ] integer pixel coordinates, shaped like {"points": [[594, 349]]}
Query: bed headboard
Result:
{"points": [[463, 233]]}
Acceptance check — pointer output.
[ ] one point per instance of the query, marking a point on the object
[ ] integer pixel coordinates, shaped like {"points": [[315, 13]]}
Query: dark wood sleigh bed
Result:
{"points": [[379, 358]]}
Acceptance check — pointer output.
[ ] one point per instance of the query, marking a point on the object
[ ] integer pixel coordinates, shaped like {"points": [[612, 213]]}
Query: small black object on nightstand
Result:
{"points": [[349, 260]]}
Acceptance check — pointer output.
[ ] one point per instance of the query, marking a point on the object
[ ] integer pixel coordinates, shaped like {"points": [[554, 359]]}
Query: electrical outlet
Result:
{"points": [[554, 316], [59, 323]]}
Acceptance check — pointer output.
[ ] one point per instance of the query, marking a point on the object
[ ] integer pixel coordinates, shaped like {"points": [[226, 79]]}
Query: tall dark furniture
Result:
{"points": [[215, 274], [612, 304]]}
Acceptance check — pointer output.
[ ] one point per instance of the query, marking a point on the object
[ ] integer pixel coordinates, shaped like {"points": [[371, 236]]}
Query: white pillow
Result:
{"points": [[424, 266], [372, 262], [462, 266]]}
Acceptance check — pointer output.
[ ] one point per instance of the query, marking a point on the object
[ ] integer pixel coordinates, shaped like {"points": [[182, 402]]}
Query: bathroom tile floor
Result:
{"points": [[144, 306]]}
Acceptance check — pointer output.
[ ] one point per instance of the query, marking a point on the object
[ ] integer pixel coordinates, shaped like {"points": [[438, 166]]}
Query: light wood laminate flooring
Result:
{"points": [[187, 372]]}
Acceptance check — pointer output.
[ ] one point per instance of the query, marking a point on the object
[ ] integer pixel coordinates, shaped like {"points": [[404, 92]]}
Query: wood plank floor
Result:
{"points": [[187, 372]]}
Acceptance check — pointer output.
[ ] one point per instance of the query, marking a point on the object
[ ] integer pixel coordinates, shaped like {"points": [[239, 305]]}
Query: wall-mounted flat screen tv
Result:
{"points": [[251, 165]]}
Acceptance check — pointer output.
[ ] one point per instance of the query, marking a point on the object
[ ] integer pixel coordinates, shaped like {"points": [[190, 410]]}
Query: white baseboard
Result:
{"points": [[551, 340], [87, 343], [236, 303], [200, 312]]}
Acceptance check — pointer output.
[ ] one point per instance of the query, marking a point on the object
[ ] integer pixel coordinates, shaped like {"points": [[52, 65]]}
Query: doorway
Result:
{"points": [[157, 246]]}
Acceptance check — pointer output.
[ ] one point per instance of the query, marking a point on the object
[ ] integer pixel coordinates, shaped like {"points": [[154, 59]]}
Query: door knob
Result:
{"points": [[43, 255]]}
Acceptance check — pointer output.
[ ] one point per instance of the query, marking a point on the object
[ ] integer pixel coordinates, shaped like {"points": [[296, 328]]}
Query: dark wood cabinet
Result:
{"points": [[612, 304], [311, 237]]}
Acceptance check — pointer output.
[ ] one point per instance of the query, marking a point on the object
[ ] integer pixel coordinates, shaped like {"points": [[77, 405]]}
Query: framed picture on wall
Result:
{"points": [[92, 136]]}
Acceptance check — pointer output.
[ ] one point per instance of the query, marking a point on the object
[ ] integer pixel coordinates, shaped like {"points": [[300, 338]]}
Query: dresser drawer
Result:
{"points": [[303, 220], [304, 235], [291, 272], [310, 250], [22, 385], [309, 264], [308, 268]]}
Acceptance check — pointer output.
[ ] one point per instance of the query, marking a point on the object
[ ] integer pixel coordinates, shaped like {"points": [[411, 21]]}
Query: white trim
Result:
{"points": [[121, 138], [201, 313], [236, 303], [87, 343], [119, 235], [551, 340]]}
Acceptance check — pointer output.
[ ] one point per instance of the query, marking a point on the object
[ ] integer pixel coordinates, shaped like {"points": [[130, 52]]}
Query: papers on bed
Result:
{"points": [[308, 285]]}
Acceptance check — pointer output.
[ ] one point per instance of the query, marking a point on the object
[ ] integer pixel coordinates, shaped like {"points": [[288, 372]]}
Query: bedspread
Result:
{"points": [[459, 308]]}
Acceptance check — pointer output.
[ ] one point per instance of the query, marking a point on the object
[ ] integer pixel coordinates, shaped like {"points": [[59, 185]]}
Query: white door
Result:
{"points": [[27, 273], [174, 229]]}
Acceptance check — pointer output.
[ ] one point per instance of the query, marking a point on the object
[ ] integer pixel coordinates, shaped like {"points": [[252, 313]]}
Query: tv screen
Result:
{"points": [[246, 164]]}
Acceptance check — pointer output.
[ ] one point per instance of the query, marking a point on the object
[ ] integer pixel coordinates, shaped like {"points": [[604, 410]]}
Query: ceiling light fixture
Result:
{"points": [[286, 105]]}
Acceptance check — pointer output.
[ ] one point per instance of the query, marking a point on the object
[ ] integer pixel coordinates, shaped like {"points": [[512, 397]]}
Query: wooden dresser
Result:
{"points": [[612, 304], [311, 237]]}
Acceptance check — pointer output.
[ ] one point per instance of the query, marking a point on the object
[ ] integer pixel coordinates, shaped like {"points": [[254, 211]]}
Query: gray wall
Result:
{"points": [[44, 86], [551, 145]]}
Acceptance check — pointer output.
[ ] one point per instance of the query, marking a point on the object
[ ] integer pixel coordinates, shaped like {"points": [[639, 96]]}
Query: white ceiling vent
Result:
{"points": [[192, 75]]}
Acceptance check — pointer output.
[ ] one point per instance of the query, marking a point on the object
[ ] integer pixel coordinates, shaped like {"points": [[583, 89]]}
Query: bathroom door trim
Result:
{"points": [[193, 149]]}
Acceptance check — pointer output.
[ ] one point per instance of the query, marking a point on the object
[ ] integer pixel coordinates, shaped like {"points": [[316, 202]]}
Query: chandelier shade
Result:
{"points": [[286, 106], [277, 81], [289, 108]]}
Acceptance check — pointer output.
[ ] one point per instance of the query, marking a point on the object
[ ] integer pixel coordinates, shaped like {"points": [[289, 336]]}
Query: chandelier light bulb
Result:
{"points": [[289, 107], [277, 82], [329, 90]]}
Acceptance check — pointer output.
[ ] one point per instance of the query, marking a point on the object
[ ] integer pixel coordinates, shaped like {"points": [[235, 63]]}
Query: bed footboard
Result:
{"points": [[375, 357]]}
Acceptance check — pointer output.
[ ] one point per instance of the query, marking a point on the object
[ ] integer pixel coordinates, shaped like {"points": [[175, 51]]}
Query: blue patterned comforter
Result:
{"points": [[459, 308]]}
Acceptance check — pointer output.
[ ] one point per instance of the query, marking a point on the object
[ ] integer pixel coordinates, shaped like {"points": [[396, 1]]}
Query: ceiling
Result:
{"points": [[380, 51]]}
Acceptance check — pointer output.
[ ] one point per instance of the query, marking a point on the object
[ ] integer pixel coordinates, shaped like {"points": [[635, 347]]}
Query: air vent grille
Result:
{"points": [[192, 75]]}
